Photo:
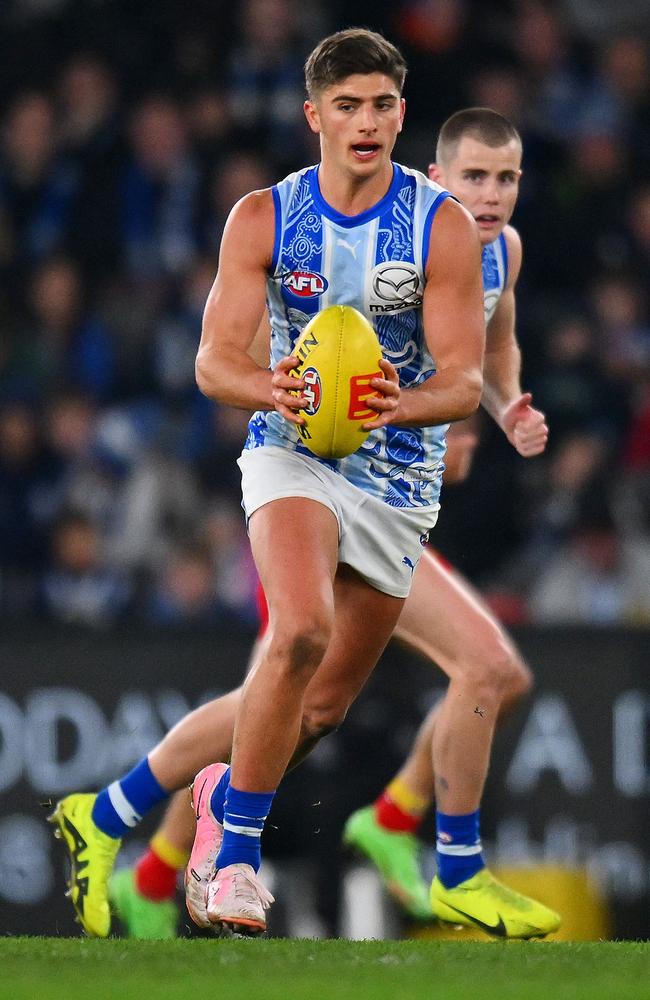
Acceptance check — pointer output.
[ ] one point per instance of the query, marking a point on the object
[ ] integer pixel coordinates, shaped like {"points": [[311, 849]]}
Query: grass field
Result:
{"points": [[71, 968]]}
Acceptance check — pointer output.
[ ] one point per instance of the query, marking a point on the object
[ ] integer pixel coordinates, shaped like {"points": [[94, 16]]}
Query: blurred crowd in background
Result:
{"points": [[128, 130]]}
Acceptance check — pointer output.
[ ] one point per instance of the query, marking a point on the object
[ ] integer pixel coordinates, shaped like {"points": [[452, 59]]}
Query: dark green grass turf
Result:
{"points": [[71, 968]]}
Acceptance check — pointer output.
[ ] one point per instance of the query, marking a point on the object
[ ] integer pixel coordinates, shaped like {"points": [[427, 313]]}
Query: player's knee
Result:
{"points": [[299, 647], [319, 721], [499, 672]]}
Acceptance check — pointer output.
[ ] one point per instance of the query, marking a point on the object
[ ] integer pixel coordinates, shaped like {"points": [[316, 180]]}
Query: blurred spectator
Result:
{"points": [[571, 387], [176, 338], [62, 344], [597, 578], [184, 592], [543, 44], [438, 42], [209, 122], [151, 498], [78, 586], [620, 307], [575, 223], [635, 236], [266, 78], [92, 138], [556, 494], [23, 538], [159, 192], [223, 532], [37, 184], [239, 173]]}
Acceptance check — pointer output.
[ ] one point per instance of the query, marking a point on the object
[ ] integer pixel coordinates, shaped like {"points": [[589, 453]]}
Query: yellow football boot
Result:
{"points": [[92, 855], [482, 901]]}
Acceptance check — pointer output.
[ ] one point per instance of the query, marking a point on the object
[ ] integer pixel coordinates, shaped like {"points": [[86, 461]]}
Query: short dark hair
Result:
{"points": [[484, 124], [355, 50]]}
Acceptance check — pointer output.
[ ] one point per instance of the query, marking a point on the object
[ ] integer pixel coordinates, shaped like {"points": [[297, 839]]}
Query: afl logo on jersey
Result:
{"points": [[305, 283], [312, 390], [395, 286]]}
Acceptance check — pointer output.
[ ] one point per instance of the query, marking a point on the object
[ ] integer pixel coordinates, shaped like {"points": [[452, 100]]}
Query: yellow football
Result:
{"points": [[339, 353]]}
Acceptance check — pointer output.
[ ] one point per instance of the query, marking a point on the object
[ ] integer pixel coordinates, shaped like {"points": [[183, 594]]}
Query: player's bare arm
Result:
{"points": [[225, 370], [454, 326], [524, 426]]}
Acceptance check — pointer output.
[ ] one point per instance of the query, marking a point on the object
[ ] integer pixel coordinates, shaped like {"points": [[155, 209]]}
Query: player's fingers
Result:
{"points": [[286, 364], [389, 370], [382, 403], [380, 421], [531, 429], [288, 414], [385, 386], [530, 445], [286, 384], [283, 398]]}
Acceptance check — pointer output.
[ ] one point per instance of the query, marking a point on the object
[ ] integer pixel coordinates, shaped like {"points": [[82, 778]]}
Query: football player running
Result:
{"points": [[478, 657], [366, 515]]}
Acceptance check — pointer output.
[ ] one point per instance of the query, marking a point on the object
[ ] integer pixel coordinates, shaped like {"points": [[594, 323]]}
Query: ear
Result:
{"points": [[435, 173], [312, 116], [402, 112]]}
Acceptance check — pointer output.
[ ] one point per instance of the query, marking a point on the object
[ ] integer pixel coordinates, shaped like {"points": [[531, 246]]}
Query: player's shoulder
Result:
{"points": [[250, 230], [253, 215], [514, 252], [254, 207], [512, 240]]}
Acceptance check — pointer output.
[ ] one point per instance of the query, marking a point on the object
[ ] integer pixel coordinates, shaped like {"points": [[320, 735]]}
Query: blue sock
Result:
{"points": [[123, 804], [218, 797], [458, 847], [243, 822]]}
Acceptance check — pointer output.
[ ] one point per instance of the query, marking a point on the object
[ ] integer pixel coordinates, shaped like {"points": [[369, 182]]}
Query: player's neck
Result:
{"points": [[351, 195]]}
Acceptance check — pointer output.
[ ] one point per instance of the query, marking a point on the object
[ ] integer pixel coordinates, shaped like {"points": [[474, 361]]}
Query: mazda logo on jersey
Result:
{"points": [[305, 283], [395, 286]]}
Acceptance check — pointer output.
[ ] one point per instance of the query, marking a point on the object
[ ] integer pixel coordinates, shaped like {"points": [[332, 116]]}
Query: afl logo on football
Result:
{"points": [[312, 390], [305, 283], [395, 286]]}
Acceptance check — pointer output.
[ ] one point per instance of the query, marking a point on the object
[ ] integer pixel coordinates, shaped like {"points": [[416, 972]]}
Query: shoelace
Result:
{"points": [[250, 889]]}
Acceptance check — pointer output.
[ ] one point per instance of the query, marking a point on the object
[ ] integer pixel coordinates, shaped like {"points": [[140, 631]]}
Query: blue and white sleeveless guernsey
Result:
{"points": [[494, 261], [374, 261]]}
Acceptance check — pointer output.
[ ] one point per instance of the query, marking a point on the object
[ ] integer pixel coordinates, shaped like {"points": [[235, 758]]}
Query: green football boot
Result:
{"points": [[395, 855], [140, 917]]}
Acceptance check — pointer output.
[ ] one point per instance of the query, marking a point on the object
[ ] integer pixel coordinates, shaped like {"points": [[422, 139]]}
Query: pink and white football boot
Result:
{"points": [[207, 841], [237, 902]]}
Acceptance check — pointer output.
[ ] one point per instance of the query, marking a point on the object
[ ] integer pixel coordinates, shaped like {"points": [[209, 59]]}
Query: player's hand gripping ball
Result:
{"points": [[338, 354]]}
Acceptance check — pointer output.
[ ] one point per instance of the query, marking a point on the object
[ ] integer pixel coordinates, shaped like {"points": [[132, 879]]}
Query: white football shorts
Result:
{"points": [[382, 543]]}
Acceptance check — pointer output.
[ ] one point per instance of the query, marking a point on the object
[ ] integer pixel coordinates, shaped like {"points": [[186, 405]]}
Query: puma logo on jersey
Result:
{"points": [[352, 247]]}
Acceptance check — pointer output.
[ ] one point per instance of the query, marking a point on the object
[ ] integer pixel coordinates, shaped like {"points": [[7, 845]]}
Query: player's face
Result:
{"points": [[358, 121], [485, 180]]}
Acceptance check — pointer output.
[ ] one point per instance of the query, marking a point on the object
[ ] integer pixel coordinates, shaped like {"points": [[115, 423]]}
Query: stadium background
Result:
{"points": [[128, 130]]}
